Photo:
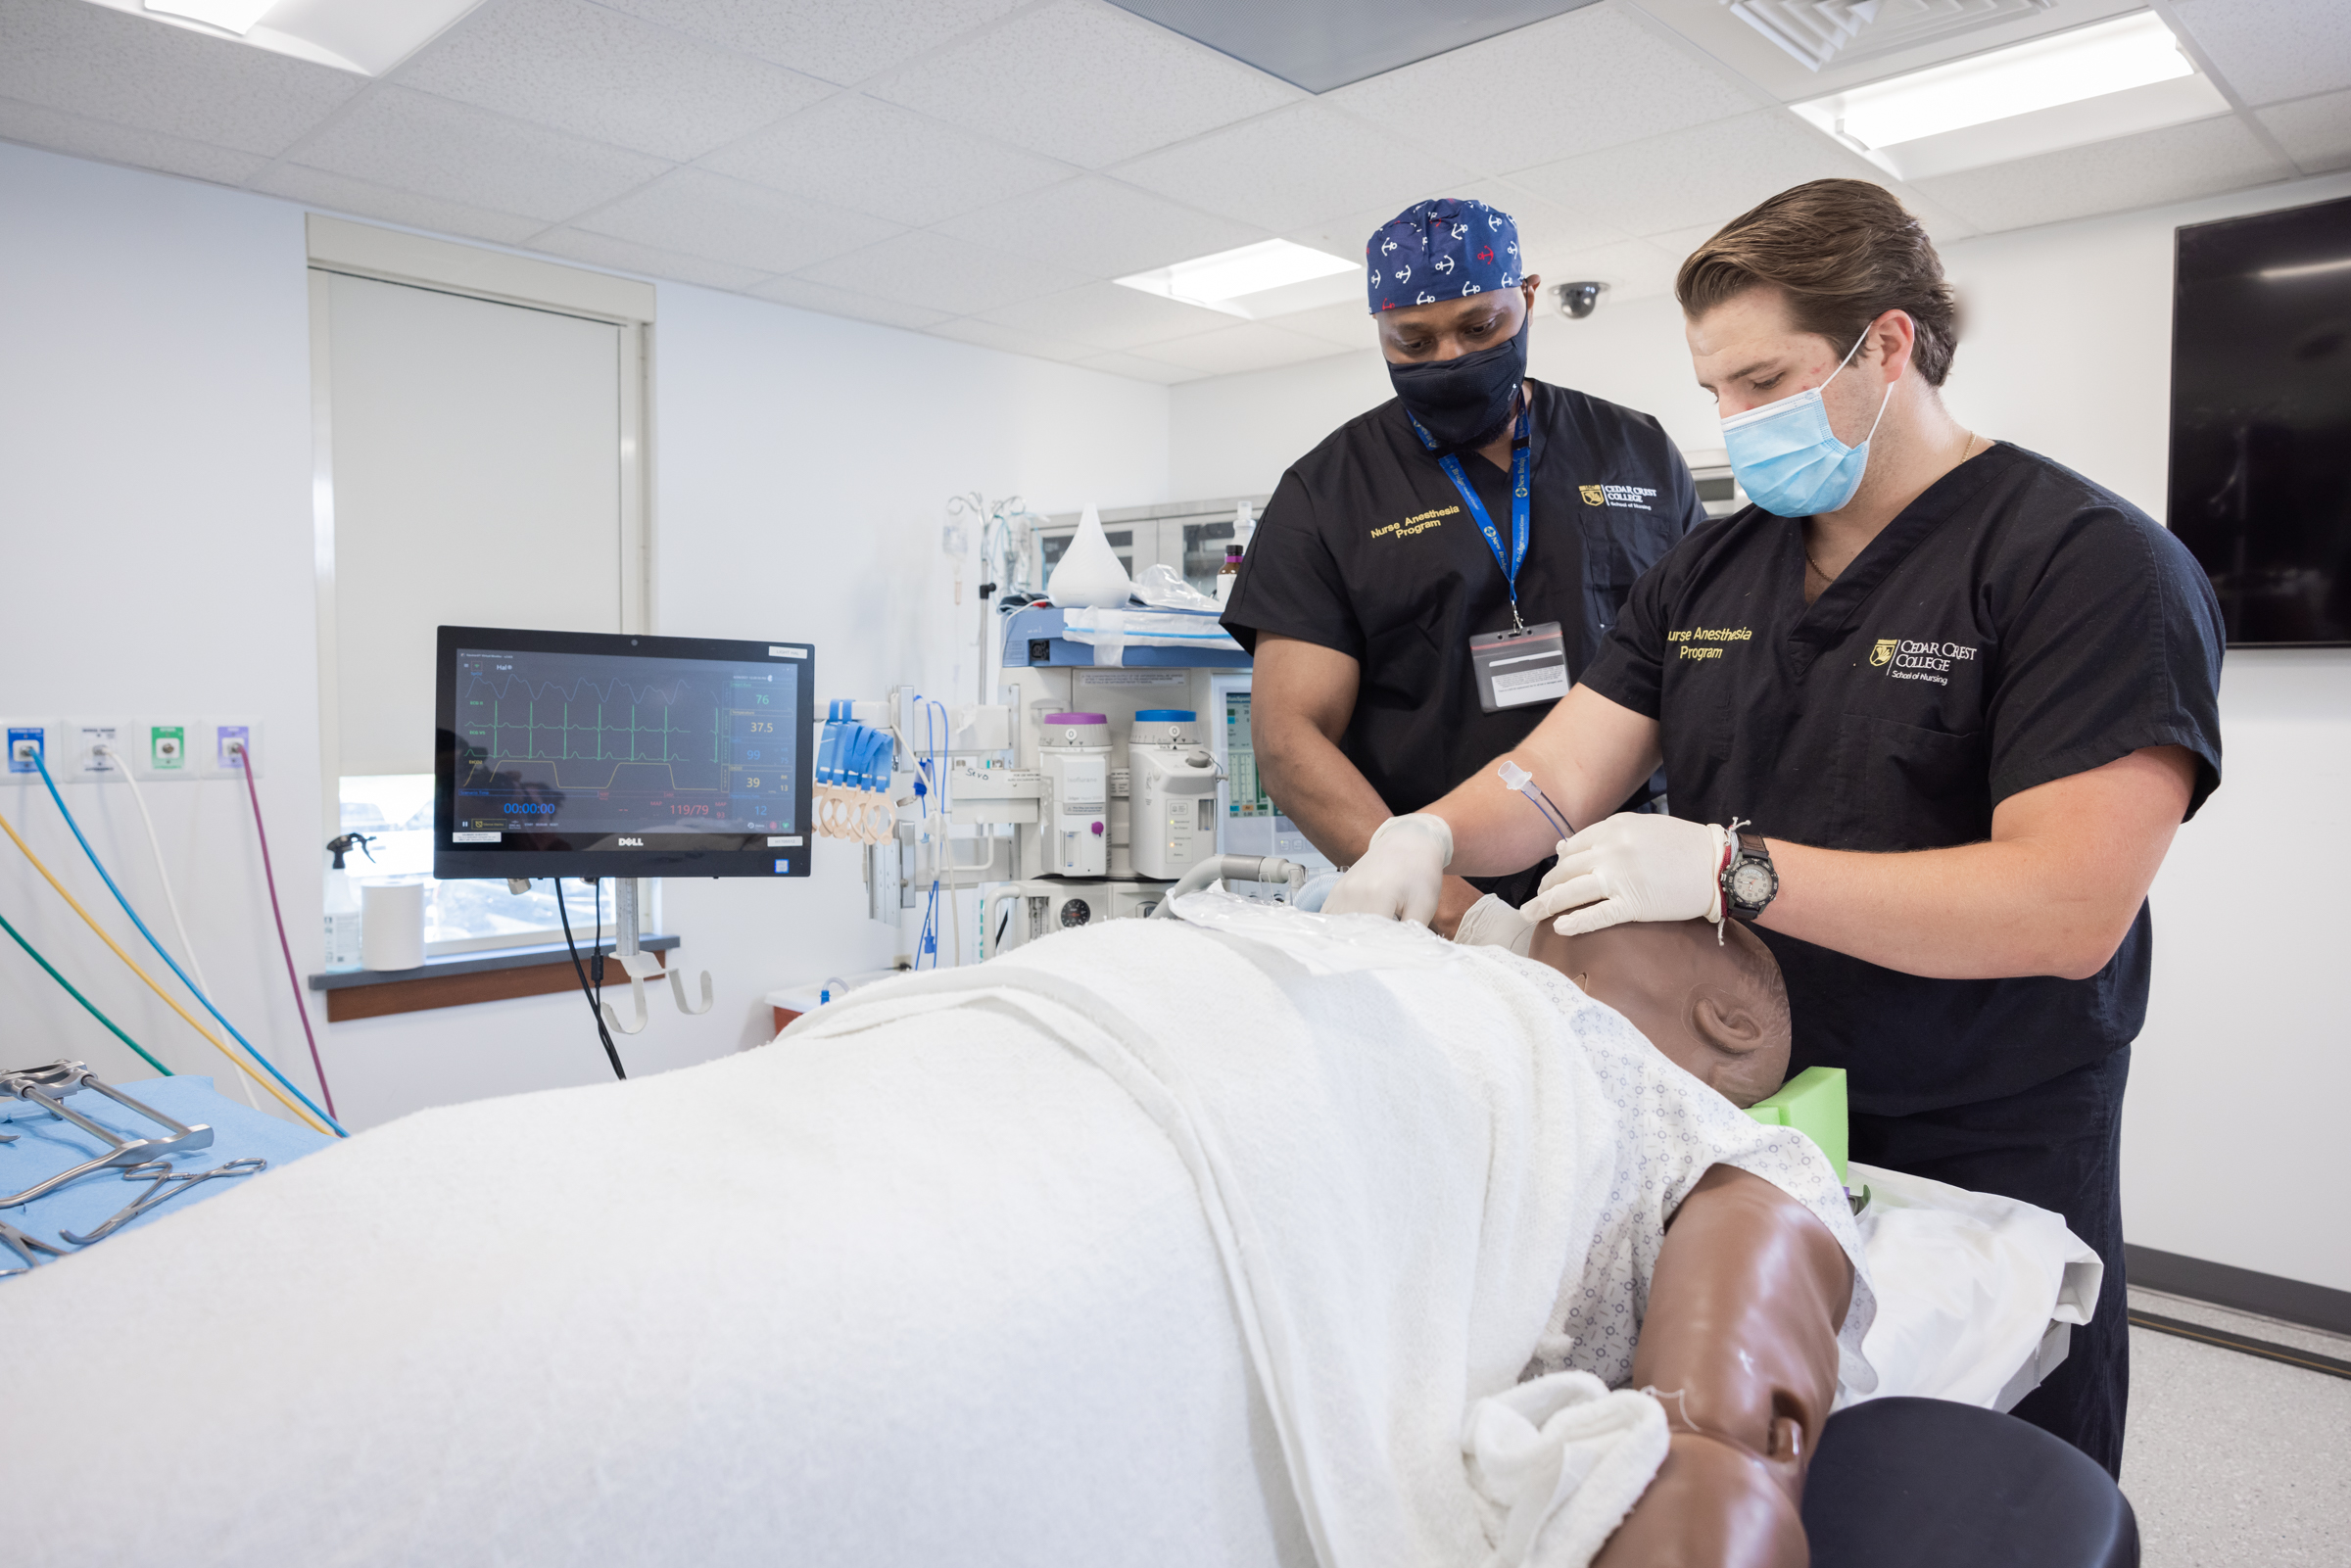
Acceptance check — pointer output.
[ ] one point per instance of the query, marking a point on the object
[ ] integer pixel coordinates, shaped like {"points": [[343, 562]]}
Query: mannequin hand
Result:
{"points": [[1633, 866], [1491, 923], [1402, 873]]}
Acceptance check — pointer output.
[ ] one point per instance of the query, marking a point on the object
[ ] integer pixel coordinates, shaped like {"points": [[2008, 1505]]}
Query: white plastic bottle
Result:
{"points": [[343, 904]]}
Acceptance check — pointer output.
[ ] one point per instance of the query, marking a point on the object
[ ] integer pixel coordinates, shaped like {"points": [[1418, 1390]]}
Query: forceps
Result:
{"points": [[16, 1241], [47, 1088], [166, 1186]]}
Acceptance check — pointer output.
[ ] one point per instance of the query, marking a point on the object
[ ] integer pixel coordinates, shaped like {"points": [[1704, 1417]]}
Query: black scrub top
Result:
{"points": [[2014, 625], [1365, 547]]}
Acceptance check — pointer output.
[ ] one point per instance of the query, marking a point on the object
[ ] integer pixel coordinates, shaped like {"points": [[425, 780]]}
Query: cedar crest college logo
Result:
{"points": [[1883, 653], [1591, 493]]}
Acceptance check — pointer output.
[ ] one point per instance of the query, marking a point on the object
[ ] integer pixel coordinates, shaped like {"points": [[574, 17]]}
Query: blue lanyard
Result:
{"points": [[1521, 467]]}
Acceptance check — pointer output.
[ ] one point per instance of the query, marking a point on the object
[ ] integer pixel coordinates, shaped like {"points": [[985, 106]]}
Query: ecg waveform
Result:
{"points": [[549, 722], [610, 749]]}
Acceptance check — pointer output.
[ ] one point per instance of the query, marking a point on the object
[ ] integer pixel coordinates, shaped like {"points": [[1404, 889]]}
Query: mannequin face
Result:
{"points": [[1719, 1011]]}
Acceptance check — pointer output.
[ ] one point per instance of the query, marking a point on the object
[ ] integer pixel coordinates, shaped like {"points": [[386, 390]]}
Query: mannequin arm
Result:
{"points": [[1744, 1309]]}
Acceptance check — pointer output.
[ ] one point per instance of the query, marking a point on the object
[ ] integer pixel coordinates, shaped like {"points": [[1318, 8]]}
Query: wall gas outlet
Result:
{"points": [[162, 748], [26, 740], [217, 742], [92, 750]]}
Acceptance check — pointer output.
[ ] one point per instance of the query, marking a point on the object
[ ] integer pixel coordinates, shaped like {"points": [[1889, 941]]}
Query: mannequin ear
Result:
{"points": [[1717, 1018]]}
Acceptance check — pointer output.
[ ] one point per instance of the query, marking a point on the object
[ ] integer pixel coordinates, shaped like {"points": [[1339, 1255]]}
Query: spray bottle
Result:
{"points": [[343, 903]]}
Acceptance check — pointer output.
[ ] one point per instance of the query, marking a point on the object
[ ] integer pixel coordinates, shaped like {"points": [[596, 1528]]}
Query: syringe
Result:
{"points": [[1518, 779]]}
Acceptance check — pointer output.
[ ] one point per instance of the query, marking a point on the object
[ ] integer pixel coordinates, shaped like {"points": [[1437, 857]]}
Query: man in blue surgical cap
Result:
{"points": [[1429, 580]]}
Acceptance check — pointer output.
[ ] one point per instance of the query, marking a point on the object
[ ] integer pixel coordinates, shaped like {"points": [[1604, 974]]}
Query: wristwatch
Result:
{"points": [[1749, 881]]}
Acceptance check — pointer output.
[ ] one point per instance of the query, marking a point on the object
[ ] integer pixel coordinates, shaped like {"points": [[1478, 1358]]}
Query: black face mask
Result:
{"points": [[1469, 402]]}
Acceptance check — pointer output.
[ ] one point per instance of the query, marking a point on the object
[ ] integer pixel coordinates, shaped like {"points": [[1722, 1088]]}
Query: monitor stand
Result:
{"points": [[641, 965]]}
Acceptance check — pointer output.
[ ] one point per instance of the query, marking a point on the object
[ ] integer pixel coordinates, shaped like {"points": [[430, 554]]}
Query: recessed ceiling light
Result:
{"points": [[1272, 277], [366, 36], [236, 15], [2068, 89]]}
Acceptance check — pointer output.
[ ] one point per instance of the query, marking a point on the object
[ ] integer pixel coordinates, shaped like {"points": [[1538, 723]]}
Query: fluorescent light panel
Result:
{"points": [[235, 16], [1268, 278], [2069, 90], [364, 36]]}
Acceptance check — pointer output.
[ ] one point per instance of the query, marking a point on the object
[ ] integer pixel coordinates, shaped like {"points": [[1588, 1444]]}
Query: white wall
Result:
{"points": [[2230, 1138], [155, 460]]}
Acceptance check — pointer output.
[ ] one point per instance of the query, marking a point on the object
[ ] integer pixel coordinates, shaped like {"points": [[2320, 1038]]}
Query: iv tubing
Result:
{"points": [[210, 1037], [302, 1009], [40, 763], [154, 845], [83, 999]]}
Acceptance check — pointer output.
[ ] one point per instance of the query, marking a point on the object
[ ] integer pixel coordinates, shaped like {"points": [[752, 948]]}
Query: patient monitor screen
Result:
{"points": [[625, 747]]}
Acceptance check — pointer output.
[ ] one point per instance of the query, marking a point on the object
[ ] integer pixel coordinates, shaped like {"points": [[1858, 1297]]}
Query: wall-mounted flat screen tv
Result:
{"points": [[2260, 419]]}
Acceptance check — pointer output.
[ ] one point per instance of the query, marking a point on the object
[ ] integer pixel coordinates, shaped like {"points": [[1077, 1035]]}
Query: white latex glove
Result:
{"points": [[1491, 922], [1402, 871], [1634, 866]]}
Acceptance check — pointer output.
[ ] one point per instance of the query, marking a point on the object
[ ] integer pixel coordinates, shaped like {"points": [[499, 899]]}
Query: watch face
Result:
{"points": [[1752, 884]]}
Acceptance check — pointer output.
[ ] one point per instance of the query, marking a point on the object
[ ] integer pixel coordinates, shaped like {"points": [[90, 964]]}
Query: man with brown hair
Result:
{"points": [[1958, 697]]}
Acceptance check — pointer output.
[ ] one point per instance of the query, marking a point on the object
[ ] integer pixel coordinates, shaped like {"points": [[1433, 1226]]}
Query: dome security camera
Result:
{"points": [[1578, 299]]}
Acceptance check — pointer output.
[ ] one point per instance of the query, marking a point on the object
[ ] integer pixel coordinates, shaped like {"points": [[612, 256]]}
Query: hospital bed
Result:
{"points": [[945, 1301]]}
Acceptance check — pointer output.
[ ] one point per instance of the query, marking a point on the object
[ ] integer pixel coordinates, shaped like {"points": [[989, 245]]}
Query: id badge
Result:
{"points": [[1516, 668]]}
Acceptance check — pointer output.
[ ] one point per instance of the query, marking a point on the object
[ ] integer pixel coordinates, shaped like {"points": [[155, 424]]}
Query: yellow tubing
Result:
{"points": [[211, 1039]]}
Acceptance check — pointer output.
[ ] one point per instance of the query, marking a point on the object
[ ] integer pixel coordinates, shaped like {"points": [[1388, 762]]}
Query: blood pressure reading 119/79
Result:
{"points": [[588, 746]]}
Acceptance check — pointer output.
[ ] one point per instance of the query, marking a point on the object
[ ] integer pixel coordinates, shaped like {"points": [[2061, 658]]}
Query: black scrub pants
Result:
{"points": [[2057, 1145]]}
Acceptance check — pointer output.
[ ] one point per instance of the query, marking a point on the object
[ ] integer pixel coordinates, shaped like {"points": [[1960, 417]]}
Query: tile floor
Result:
{"points": [[2231, 1459]]}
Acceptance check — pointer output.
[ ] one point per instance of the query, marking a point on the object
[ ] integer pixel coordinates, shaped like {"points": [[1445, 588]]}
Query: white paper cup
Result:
{"points": [[391, 925]]}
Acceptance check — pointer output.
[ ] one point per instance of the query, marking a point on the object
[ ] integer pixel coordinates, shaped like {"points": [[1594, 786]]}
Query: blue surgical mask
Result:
{"points": [[1787, 459]]}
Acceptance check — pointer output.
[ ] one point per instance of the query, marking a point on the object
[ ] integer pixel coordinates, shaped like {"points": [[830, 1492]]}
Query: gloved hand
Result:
{"points": [[1634, 866], [1491, 923], [1402, 873]]}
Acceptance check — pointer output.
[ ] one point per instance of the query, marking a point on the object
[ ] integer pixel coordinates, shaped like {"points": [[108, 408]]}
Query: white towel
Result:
{"points": [[1422, 1188]]}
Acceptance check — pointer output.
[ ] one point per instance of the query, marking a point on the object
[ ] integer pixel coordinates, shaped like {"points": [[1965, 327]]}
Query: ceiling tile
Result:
{"points": [[1100, 227], [1343, 326], [416, 142], [118, 144], [1298, 165], [934, 271], [806, 296], [612, 78], [706, 215], [1247, 346], [2315, 131], [2171, 165], [2272, 49], [1633, 270], [1082, 83], [1547, 230], [1109, 316], [877, 158], [106, 65], [317, 188], [646, 260], [1136, 368], [1706, 174], [990, 335], [839, 40], [1577, 83]]}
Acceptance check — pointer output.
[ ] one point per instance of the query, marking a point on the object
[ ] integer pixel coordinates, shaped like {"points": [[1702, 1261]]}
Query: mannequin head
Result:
{"points": [[1719, 1010]]}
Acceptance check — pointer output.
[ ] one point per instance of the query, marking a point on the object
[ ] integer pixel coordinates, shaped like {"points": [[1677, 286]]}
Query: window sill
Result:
{"points": [[463, 978]]}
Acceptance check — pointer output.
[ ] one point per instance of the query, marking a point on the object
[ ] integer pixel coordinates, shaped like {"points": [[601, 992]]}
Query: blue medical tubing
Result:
{"points": [[165, 956]]}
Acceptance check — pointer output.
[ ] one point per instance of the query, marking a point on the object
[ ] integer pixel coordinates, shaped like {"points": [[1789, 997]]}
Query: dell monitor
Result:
{"points": [[588, 755]]}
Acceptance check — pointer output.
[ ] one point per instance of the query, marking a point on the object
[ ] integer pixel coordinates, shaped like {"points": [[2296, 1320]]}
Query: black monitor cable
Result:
{"points": [[595, 1007]]}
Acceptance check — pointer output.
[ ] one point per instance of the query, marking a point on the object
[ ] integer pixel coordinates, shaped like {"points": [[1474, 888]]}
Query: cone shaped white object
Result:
{"points": [[1088, 576]]}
